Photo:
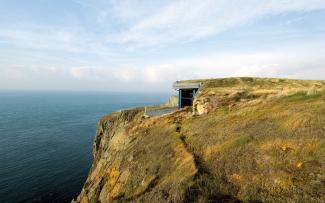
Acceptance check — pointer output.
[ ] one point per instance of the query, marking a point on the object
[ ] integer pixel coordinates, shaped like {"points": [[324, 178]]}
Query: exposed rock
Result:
{"points": [[204, 105], [125, 169]]}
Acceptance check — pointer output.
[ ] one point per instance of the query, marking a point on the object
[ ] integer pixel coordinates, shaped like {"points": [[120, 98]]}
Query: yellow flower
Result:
{"points": [[299, 165]]}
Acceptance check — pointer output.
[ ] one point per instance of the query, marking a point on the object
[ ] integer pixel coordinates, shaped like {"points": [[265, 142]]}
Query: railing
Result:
{"points": [[153, 111]]}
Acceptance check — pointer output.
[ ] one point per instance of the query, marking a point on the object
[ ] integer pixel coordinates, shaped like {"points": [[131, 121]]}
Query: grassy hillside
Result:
{"points": [[263, 141], [268, 152]]}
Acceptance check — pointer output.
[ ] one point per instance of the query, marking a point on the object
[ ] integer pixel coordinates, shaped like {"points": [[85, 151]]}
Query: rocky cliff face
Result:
{"points": [[134, 161], [252, 140]]}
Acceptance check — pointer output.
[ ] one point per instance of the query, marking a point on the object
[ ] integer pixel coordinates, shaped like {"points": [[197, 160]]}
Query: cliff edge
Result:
{"points": [[244, 140]]}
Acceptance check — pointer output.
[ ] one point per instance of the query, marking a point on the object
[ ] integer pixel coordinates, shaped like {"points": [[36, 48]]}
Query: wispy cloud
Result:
{"points": [[48, 38], [188, 20], [41, 39], [132, 44], [158, 23]]}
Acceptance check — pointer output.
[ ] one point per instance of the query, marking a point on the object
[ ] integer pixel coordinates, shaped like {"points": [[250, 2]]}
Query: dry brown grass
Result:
{"points": [[267, 152], [267, 147]]}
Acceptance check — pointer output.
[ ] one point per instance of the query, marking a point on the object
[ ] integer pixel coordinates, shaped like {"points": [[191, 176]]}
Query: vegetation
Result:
{"points": [[268, 147], [270, 152]]}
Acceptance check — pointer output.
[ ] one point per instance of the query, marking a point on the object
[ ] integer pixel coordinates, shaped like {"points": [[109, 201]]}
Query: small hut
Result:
{"points": [[186, 92]]}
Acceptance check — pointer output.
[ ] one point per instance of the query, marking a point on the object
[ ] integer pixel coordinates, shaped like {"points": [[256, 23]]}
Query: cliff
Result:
{"points": [[244, 139]]}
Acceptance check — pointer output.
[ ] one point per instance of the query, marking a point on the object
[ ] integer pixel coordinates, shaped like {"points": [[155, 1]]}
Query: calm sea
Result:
{"points": [[46, 140]]}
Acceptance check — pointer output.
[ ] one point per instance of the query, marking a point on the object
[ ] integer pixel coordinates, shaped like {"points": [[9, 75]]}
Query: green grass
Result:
{"points": [[300, 96]]}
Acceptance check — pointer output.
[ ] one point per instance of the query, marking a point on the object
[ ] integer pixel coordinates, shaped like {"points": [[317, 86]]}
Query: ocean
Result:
{"points": [[46, 140]]}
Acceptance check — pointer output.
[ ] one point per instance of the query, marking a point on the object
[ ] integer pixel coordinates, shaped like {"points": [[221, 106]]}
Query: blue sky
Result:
{"points": [[139, 45]]}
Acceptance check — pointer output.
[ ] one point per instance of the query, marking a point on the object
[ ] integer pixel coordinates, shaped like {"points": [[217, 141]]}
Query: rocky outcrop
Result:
{"points": [[204, 105], [135, 162]]}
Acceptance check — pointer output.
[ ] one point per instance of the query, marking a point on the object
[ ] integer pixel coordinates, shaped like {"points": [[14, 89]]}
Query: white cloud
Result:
{"points": [[46, 38], [290, 62], [79, 72], [97, 74], [12, 74], [19, 72], [92, 52], [157, 23], [125, 74], [186, 20], [41, 38]]}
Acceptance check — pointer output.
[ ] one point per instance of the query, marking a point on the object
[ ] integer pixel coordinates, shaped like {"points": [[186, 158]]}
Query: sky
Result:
{"points": [[141, 45]]}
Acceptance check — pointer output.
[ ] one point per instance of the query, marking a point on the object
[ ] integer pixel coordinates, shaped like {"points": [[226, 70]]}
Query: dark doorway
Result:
{"points": [[186, 97]]}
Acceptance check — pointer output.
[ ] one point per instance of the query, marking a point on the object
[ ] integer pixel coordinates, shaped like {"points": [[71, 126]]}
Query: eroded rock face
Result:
{"points": [[204, 105], [134, 161]]}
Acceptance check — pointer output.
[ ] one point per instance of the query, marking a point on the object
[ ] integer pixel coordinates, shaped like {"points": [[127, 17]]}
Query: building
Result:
{"points": [[186, 92]]}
